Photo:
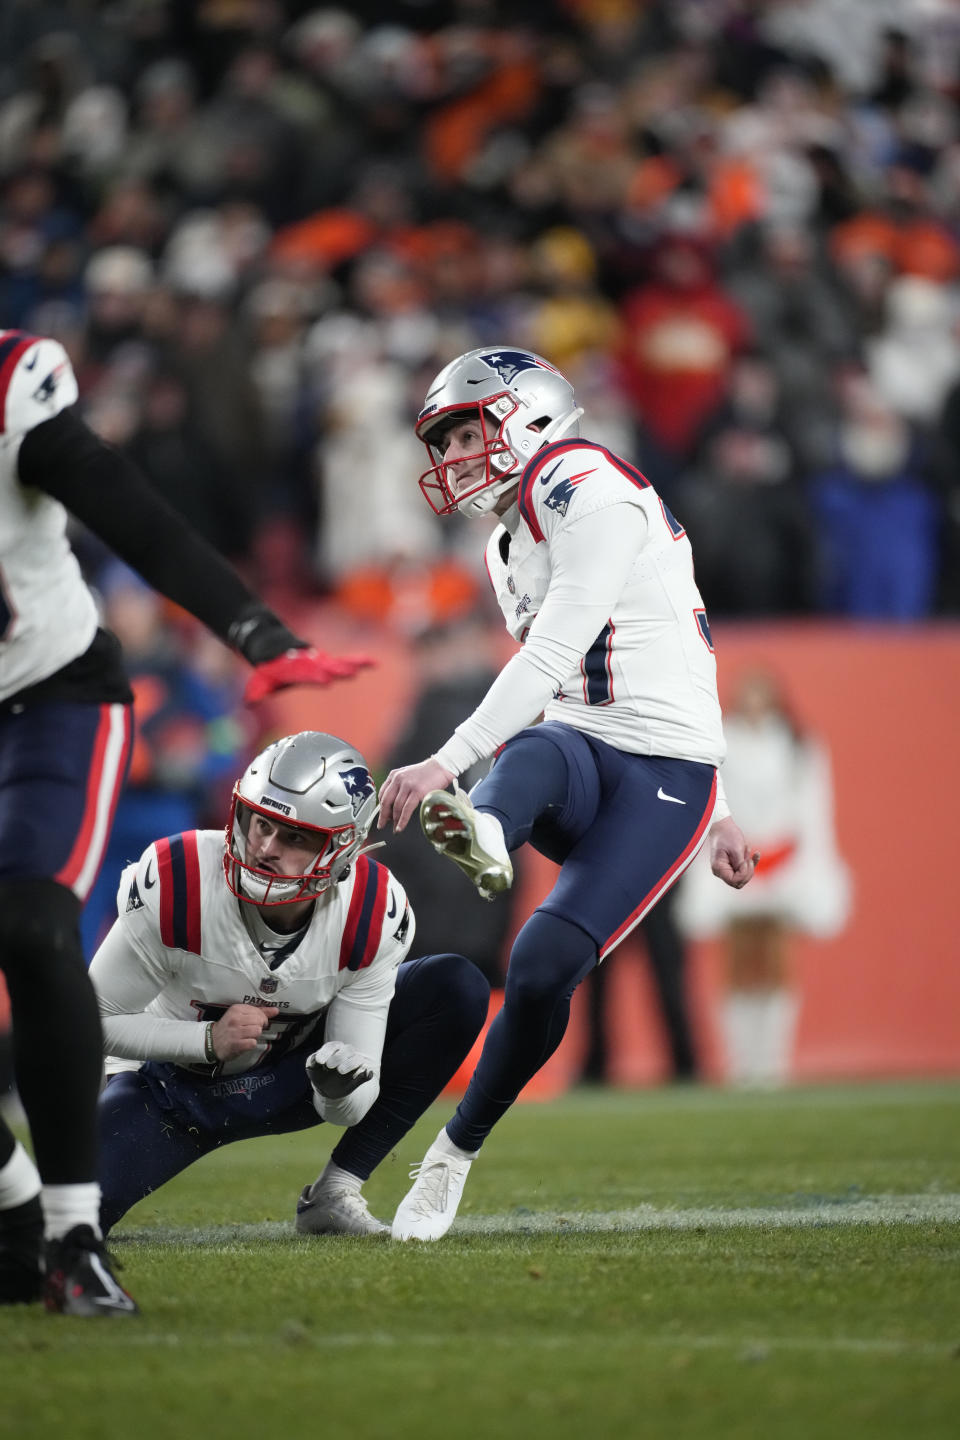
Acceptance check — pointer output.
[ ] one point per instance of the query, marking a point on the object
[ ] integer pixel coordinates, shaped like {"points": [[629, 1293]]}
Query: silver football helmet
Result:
{"points": [[522, 404], [315, 785]]}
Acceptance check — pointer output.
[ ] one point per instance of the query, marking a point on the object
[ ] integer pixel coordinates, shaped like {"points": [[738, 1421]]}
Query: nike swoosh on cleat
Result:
{"points": [[672, 798]]}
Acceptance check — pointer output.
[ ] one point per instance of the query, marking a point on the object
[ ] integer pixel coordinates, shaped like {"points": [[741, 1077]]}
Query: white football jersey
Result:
{"points": [[648, 683], [180, 949], [47, 613]]}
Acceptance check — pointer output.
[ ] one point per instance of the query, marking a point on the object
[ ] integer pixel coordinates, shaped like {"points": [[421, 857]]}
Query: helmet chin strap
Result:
{"points": [[255, 890], [483, 503]]}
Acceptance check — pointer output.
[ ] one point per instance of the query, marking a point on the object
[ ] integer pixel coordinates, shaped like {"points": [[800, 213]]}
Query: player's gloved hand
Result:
{"points": [[337, 1069], [306, 666], [281, 658]]}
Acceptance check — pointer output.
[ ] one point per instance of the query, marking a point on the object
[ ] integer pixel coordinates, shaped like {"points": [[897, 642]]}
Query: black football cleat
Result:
{"points": [[80, 1278], [21, 1252]]}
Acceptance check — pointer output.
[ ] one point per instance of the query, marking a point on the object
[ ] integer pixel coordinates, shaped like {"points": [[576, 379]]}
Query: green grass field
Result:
{"points": [[671, 1263]]}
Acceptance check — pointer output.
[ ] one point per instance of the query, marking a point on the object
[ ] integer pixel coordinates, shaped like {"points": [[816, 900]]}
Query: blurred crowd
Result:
{"points": [[259, 228]]}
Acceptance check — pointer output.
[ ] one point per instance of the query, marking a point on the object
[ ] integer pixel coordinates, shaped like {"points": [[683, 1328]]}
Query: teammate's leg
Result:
{"points": [[616, 866], [141, 1145], [21, 1223], [57, 1047], [56, 1056], [531, 779], [61, 769], [435, 1016], [543, 788], [549, 959]]}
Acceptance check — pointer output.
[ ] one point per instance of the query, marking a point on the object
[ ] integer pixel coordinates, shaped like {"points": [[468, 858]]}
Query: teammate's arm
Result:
{"points": [[357, 1019], [126, 980], [110, 495], [591, 559]]}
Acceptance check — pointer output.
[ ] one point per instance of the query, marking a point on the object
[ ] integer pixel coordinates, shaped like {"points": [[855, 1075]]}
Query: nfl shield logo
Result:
{"points": [[269, 984]]}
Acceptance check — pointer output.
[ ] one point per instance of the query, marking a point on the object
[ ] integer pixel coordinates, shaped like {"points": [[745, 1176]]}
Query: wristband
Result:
{"points": [[259, 635], [209, 1051]]}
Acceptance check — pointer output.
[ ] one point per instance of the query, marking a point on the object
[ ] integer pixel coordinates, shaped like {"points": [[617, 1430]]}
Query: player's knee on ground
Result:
{"points": [[39, 934], [550, 957]]}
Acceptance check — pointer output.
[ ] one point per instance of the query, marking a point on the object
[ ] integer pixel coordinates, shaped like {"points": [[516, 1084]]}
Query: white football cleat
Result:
{"points": [[336, 1210], [429, 1207], [470, 838]]}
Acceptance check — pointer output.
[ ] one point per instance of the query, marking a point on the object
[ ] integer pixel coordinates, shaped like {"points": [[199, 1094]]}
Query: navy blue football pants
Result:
{"points": [[157, 1120], [622, 828], [62, 765]]}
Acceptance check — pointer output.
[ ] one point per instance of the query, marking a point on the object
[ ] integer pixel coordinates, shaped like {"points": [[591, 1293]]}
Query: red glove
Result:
{"points": [[301, 667]]}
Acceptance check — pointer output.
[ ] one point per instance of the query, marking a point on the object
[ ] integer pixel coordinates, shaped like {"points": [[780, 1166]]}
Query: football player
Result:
{"points": [[65, 721], [619, 782], [259, 984]]}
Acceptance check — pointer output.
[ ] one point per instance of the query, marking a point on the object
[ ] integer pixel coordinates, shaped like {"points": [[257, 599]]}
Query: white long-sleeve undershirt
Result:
{"points": [[126, 981]]}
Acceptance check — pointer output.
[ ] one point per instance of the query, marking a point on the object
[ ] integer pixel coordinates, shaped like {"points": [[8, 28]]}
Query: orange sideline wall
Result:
{"points": [[884, 998]]}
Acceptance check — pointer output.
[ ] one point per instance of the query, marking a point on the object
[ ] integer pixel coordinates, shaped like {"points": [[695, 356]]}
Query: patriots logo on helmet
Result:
{"points": [[358, 783], [509, 363], [561, 496]]}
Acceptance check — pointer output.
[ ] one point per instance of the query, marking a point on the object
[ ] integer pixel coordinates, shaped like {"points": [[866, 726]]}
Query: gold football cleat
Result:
{"points": [[470, 838]]}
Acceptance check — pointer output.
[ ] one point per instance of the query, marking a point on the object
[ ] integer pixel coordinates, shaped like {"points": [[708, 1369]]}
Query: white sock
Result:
{"points": [[740, 1018], [67, 1205], [19, 1179], [445, 1145], [335, 1178], [777, 1025]]}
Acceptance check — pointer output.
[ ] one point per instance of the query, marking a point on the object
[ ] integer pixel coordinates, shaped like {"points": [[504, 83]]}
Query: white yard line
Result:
{"points": [[863, 1210], [814, 1214], [747, 1350]]}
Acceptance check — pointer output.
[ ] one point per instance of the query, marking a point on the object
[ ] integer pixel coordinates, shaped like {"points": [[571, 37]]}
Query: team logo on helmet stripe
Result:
{"points": [[358, 783], [509, 363]]}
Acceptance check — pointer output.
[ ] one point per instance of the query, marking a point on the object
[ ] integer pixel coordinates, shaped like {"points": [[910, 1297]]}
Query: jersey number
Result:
{"points": [[283, 1033]]}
